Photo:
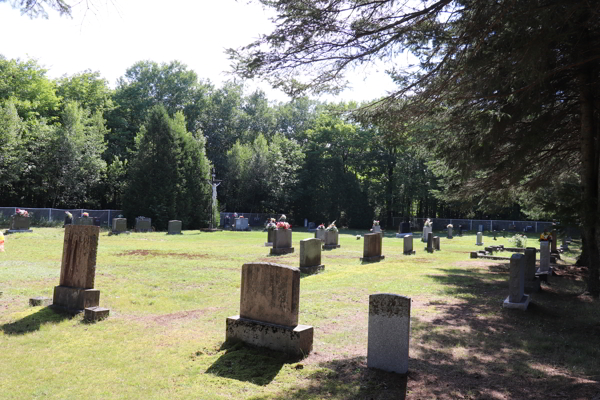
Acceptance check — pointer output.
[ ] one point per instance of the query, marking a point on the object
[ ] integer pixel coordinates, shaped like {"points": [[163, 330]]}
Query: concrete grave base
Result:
{"points": [[296, 340], [410, 253], [314, 269], [75, 299], [95, 313], [9, 231], [118, 233], [543, 275], [522, 305], [372, 259], [429, 250], [285, 250], [331, 246], [39, 301], [401, 235]]}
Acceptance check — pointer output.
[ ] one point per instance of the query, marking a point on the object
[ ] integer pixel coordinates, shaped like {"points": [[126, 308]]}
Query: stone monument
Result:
{"points": [[174, 227], [429, 247], [516, 294], [449, 236], [532, 283], [479, 239], [269, 305], [320, 234], [310, 256], [241, 224], [119, 225], [408, 245], [426, 231], [331, 240], [544, 271], [143, 224], [389, 332], [372, 247], [270, 236], [282, 242], [19, 223], [78, 271], [84, 221], [376, 229], [436, 243]]}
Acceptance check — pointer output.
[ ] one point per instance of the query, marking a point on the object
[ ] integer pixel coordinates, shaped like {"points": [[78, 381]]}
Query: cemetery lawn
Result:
{"points": [[169, 297]]}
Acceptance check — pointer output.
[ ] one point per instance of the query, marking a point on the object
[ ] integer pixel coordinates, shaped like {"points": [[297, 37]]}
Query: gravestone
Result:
{"points": [[282, 242], [143, 224], [331, 240], [78, 269], [429, 247], [84, 221], [532, 283], [310, 256], [408, 245], [119, 225], [479, 239], [311, 227], [436, 243], [376, 229], [426, 231], [320, 234], [174, 227], [565, 244], [241, 224], [372, 247], [553, 243], [389, 332], [544, 271], [269, 304], [405, 227], [449, 233], [270, 235], [18, 224], [516, 285]]}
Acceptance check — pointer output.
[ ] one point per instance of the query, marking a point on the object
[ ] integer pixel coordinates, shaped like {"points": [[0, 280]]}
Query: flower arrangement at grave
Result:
{"points": [[375, 223], [321, 227], [241, 216], [68, 214], [271, 225], [332, 227], [283, 218], [21, 213], [449, 226], [85, 215], [283, 225], [519, 240], [428, 222]]}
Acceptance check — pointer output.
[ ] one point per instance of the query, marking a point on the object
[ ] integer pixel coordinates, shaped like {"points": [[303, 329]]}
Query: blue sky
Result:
{"points": [[118, 33]]}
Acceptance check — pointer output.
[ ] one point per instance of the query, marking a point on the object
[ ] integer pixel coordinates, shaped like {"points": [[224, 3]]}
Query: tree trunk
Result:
{"points": [[390, 187], [590, 176]]}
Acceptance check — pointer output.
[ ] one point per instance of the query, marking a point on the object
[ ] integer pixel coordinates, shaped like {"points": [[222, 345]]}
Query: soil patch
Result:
{"points": [[159, 253]]}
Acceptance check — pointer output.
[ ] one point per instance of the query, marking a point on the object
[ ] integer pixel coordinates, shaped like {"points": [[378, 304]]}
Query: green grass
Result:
{"points": [[169, 297]]}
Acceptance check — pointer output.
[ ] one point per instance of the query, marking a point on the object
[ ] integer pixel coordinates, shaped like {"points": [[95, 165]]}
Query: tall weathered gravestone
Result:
{"points": [[174, 227], [429, 247], [408, 245], [426, 231], [544, 271], [479, 239], [449, 233], [331, 240], [372, 247], [516, 285], [310, 256], [389, 332], [532, 283], [282, 242], [269, 305], [78, 271]]}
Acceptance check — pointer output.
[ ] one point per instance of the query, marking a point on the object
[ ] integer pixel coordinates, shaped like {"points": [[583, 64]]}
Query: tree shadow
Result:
{"points": [[250, 364], [33, 322], [347, 378]]}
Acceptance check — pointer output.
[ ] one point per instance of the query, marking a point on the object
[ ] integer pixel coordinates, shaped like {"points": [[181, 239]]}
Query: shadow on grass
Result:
{"points": [[347, 378], [249, 364], [473, 347], [33, 322]]}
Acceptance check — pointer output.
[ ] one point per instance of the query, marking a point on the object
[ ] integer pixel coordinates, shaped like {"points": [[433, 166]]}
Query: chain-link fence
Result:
{"points": [[480, 225], [42, 216]]}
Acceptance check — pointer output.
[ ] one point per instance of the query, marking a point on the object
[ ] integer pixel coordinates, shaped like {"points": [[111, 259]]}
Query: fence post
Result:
{"points": [[49, 214], [470, 224]]}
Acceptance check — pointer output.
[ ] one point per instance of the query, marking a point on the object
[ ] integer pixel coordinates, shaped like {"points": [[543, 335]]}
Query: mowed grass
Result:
{"points": [[169, 297]]}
